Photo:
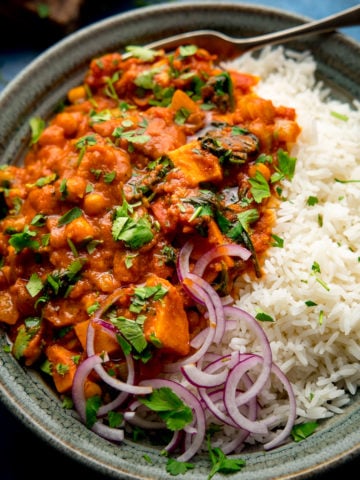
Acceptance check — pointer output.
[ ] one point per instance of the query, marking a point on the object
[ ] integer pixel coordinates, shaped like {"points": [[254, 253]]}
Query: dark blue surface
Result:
{"points": [[22, 454]]}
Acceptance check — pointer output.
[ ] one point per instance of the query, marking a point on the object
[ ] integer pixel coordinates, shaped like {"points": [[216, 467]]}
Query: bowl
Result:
{"points": [[35, 92]]}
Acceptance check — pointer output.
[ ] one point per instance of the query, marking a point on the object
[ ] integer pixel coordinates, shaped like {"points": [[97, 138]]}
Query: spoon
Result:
{"points": [[227, 47]]}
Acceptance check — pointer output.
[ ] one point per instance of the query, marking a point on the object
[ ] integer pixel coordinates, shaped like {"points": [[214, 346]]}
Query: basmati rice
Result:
{"points": [[316, 344]]}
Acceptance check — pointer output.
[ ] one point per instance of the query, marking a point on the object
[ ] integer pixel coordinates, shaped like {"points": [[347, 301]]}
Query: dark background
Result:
{"points": [[23, 35]]}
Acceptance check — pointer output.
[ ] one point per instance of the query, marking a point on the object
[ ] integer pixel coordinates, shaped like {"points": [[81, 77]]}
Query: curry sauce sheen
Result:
{"points": [[152, 150]]}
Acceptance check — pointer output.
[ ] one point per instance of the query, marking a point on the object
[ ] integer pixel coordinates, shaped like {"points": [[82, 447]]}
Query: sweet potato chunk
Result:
{"points": [[104, 342], [168, 323], [63, 367], [197, 165]]}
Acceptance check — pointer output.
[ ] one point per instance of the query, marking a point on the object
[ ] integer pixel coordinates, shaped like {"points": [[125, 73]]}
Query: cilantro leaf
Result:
{"points": [[92, 406], [263, 317], [37, 126], [34, 285], [134, 233], [221, 463], [69, 216], [259, 187], [303, 430], [170, 408], [142, 53], [174, 467], [132, 331], [23, 240]]}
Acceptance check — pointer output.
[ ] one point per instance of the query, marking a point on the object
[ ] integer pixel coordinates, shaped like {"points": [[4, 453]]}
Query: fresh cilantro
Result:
{"points": [[285, 168], [92, 406], [346, 181], [143, 293], [34, 285], [99, 117], [110, 90], [310, 303], [92, 308], [115, 419], [82, 143], [221, 463], [174, 467], [311, 201], [42, 181], [62, 369], [132, 332], [181, 116], [277, 241], [303, 430], [109, 177], [37, 126], [263, 317], [133, 232], [23, 240], [187, 50], [170, 408], [259, 187], [38, 220], [247, 217], [132, 136], [142, 53], [339, 116], [315, 267], [25, 334], [69, 216]]}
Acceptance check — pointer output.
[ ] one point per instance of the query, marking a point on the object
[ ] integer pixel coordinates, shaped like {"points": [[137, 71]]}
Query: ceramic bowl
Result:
{"points": [[35, 92]]}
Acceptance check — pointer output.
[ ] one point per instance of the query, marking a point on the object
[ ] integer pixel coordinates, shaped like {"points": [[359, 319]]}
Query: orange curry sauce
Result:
{"points": [[151, 151]]}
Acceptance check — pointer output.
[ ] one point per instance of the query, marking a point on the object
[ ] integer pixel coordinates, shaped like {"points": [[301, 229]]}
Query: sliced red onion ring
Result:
{"points": [[231, 396], [183, 261], [227, 250], [213, 297], [241, 315], [128, 386], [279, 439], [79, 399], [131, 417]]}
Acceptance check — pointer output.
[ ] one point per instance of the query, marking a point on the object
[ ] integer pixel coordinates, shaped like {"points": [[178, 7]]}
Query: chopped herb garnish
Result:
{"points": [[221, 463], [311, 201], [170, 408], [92, 406], [37, 126], [304, 430], [259, 187], [69, 216], [174, 467], [263, 317], [277, 241]]}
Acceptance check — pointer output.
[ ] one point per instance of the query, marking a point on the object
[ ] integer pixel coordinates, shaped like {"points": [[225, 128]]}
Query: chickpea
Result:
{"points": [[94, 203], [75, 187], [68, 122], [77, 94], [79, 230]]}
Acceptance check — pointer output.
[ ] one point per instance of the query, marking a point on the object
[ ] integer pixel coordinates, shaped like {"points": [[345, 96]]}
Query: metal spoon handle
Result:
{"points": [[228, 47], [346, 18]]}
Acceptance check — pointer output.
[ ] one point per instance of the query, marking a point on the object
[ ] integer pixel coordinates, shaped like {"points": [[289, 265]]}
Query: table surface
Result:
{"points": [[21, 451]]}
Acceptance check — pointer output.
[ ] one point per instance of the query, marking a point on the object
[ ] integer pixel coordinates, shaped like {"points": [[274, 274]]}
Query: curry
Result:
{"points": [[153, 150]]}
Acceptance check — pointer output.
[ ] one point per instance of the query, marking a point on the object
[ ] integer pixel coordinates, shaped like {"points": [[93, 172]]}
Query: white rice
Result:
{"points": [[321, 358]]}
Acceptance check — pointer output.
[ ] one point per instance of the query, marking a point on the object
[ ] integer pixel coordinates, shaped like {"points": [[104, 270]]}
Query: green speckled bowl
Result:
{"points": [[35, 92]]}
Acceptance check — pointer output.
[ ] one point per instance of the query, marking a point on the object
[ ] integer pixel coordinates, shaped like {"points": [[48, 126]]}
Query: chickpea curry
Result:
{"points": [[154, 149]]}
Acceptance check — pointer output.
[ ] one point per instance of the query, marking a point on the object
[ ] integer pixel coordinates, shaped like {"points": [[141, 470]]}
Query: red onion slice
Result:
{"points": [[227, 250], [78, 396], [241, 315]]}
